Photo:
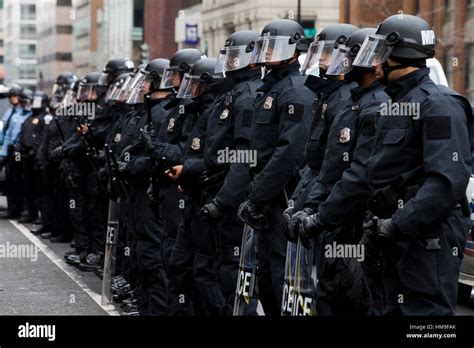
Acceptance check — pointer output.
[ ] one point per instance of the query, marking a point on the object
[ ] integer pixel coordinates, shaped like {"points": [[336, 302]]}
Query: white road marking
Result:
{"points": [[63, 266]]}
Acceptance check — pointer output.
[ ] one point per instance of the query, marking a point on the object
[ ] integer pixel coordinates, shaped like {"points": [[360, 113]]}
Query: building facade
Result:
{"points": [[453, 24], [20, 42], [220, 18], [54, 34], [85, 48]]}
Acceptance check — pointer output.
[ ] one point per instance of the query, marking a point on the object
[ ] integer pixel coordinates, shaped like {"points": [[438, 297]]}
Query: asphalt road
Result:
{"points": [[41, 283]]}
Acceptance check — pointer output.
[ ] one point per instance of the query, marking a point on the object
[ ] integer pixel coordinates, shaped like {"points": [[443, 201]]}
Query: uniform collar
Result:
{"points": [[276, 75], [358, 92], [323, 86], [400, 87], [245, 75], [280, 73]]}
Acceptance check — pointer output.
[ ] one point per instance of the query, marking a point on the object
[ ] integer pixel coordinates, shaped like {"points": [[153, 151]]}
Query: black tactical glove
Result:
{"points": [[310, 227], [250, 214], [286, 224], [380, 232], [146, 138], [58, 153], [211, 211]]}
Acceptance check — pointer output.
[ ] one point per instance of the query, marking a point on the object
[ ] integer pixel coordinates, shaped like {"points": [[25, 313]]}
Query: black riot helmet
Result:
{"points": [[26, 98], [344, 55], [15, 90], [87, 90], [321, 50], [114, 68], [199, 79], [113, 93], [180, 63], [155, 70], [279, 41], [237, 51], [64, 82], [405, 38], [26, 94], [40, 101]]}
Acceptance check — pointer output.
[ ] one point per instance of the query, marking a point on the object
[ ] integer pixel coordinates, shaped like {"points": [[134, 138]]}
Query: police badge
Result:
{"points": [[345, 135], [170, 127], [225, 114], [35, 121], [268, 103], [196, 144], [117, 138]]}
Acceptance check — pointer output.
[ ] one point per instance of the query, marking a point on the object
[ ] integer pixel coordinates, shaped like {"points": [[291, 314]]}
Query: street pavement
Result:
{"points": [[42, 283]]}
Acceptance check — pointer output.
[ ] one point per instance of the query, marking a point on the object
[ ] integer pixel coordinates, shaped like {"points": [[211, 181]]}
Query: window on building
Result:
{"points": [[27, 51], [28, 11], [27, 71], [470, 73], [27, 31]]}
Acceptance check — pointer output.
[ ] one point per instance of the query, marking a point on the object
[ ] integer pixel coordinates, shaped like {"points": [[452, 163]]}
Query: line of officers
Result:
{"points": [[332, 168]]}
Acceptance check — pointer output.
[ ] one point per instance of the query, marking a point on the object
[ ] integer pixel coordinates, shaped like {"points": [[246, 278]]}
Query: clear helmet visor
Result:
{"points": [[125, 89], [269, 49], [171, 78], [37, 102], [139, 86], [115, 91], [191, 87], [318, 57], [374, 51], [232, 58], [87, 92], [103, 79], [59, 90], [341, 61]]}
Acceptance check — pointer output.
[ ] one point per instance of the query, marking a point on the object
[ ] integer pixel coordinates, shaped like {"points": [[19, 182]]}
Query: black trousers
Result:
{"points": [[14, 183]]}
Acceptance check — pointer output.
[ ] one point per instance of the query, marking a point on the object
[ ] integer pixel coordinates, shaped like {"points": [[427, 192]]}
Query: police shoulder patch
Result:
{"points": [[293, 112], [438, 127]]}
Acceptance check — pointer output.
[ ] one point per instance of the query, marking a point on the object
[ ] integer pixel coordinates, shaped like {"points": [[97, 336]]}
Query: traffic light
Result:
{"points": [[144, 53]]}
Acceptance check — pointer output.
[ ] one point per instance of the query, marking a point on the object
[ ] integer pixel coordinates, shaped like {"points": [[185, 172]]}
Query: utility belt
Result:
{"points": [[212, 181], [387, 200]]}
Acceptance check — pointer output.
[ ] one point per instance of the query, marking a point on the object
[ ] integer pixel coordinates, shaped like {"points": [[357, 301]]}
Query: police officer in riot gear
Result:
{"points": [[166, 148], [81, 169], [417, 173], [223, 182], [191, 272], [332, 93], [342, 288], [281, 122]]}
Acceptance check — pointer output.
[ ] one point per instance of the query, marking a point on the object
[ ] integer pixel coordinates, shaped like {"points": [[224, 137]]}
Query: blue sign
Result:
{"points": [[192, 34]]}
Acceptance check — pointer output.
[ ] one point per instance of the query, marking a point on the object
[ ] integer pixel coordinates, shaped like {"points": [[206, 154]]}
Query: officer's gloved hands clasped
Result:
{"points": [[380, 232], [211, 211], [58, 153], [146, 137], [311, 226], [286, 224], [249, 213]]}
